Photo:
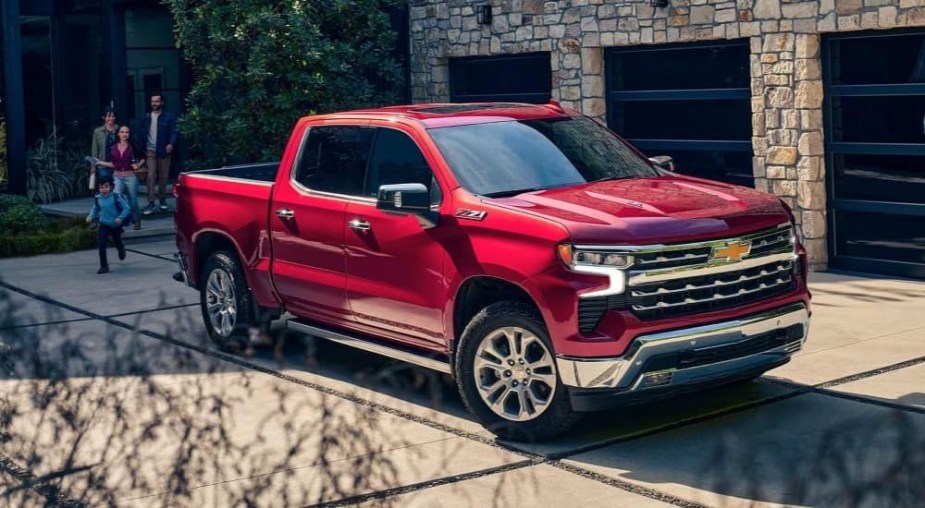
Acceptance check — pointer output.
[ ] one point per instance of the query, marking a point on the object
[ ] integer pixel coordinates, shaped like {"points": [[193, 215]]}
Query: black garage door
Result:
{"points": [[509, 78], [689, 101], [875, 149]]}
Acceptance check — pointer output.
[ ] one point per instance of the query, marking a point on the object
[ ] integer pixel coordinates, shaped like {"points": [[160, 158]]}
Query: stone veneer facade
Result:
{"points": [[786, 69]]}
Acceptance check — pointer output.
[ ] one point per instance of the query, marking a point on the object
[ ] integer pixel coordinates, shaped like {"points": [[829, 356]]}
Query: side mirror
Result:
{"points": [[403, 197], [407, 198], [663, 161]]}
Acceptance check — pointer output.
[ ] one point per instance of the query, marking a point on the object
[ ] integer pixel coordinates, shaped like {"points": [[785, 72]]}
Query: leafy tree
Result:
{"points": [[259, 65]]}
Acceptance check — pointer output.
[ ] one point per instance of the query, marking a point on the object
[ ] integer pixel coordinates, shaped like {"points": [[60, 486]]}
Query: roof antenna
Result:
{"points": [[555, 104]]}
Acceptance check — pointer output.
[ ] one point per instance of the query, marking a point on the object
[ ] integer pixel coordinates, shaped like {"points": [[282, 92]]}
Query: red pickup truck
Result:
{"points": [[526, 250]]}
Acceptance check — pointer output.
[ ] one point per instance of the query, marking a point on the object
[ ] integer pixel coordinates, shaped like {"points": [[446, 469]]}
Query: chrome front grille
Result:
{"points": [[659, 257], [710, 292], [674, 280]]}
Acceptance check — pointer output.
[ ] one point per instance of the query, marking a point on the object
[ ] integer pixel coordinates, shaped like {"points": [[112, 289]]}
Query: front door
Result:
{"points": [[395, 280], [307, 220]]}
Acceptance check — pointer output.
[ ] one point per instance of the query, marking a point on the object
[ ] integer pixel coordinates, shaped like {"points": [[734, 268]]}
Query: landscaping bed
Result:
{"points": [[26, 231]]}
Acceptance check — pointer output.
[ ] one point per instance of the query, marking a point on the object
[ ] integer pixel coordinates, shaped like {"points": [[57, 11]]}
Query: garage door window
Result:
{"points": [[690, 101]]}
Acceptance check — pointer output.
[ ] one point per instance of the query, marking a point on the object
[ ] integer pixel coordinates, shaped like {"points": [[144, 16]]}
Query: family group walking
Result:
{"points": [[119, 162]]}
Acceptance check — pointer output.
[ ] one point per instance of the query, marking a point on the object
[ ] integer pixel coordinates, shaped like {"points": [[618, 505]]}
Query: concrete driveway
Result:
{"points": [[112, 394]]}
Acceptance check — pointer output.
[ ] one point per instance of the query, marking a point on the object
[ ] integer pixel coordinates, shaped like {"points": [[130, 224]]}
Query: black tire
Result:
{"points": [[224, 266], [554, 419]]}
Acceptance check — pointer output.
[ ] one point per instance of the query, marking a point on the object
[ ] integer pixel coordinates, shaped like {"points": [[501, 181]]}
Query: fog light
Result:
{"points": [[653, 379]]}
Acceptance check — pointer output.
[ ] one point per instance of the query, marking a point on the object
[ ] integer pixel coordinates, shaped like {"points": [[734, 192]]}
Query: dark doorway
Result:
{"points": [[509, 78], [689, 101], [875, 151]]}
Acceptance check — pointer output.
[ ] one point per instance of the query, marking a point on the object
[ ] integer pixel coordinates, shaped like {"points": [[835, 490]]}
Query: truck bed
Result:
{"points": [[261, 171]]}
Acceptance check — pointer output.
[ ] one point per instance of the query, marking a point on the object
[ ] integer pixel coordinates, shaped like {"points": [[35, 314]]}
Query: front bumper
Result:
{"points": [[696, 356]]}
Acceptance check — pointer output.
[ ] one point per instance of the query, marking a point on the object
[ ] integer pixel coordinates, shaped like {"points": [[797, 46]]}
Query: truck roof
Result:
{"points": [[449, 114]]}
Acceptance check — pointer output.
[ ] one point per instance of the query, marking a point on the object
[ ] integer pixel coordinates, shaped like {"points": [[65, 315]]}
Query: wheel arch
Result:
{"points": [[478, 292], [206, 244]]}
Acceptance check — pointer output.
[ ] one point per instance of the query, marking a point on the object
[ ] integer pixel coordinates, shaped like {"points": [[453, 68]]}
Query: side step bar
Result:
{"points": [[372, 347]]}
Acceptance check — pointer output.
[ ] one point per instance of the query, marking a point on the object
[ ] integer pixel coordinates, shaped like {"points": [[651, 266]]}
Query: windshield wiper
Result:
{"points": [[610, 178], [514, 192]]}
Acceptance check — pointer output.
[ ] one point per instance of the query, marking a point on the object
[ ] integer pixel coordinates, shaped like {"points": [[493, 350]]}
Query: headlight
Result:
{"points": [[590, 261], [573, 257]]}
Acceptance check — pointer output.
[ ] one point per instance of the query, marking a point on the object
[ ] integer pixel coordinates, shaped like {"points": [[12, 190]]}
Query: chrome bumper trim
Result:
{"points": [[621, 372]]}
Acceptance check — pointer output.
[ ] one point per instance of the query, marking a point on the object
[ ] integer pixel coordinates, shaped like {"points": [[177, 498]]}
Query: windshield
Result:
{"points": [[507, 158]]}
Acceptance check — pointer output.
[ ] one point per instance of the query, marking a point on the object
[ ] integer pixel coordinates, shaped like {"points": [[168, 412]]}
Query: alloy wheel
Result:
{"points": [[221, 304], [515, 374]]}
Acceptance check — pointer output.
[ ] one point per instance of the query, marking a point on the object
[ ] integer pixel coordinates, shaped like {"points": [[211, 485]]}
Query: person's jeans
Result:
{"points": [[158, 171], [102, 171], [128, 186], [101, 239]]}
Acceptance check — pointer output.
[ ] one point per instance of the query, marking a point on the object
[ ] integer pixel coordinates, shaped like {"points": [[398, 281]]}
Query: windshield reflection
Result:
{"points": [[510, 157]]}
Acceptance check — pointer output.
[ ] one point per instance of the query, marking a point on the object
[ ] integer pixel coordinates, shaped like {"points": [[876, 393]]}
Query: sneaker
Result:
{"points": [[136, 226], [150, 208], [122, 254], [163, 205], [103, 269]]}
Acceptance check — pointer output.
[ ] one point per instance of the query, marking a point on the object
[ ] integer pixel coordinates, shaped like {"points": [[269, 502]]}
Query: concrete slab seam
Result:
{"points": [[49, 323], [156, 256], [625, 486], [261, 475], [40, 485], [406, 489], [157, 309], [871, 373]]}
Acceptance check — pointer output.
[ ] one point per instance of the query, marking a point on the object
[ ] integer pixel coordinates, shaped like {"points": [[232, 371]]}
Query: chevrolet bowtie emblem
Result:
{"points": [[732, 251]]}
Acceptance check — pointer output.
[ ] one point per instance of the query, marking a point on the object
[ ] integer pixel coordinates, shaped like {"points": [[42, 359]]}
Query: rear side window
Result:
{"points": [[334, 159], [396, 159]]}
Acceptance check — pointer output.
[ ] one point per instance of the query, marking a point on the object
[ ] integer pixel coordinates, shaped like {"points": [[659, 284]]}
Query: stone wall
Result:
{"points": [[786, 84]]}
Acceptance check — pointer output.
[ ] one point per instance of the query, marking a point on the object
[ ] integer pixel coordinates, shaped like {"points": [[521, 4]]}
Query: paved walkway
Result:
{"points": [[150, 414], [154, 225]]}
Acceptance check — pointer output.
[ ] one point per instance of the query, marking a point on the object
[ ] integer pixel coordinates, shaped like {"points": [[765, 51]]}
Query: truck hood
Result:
{"points": [[667, 209]]}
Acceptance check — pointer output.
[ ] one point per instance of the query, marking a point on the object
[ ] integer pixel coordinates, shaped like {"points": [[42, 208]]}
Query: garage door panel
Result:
{"points": [[875, 149], [510, 78], [690, 101], [875, 177]]}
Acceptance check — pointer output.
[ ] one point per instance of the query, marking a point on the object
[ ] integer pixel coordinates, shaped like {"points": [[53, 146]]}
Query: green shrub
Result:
{"points": [[47, 181], [23, 219], [8, 201], [61, 235]]}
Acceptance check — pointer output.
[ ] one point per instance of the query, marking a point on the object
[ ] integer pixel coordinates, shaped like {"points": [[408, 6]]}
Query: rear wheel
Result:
{"points": [[506, 372], [225, 301]]}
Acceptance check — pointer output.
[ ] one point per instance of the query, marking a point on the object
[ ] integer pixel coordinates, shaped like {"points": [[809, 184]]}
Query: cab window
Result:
{"points": [[396, 158], [334, 159]]}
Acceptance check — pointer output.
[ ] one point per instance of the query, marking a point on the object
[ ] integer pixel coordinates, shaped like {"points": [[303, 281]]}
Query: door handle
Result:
{"points": [[285, 214], [359, 225]]}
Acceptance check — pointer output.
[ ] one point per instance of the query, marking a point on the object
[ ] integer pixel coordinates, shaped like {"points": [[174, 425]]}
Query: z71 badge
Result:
{"points": [[463, 213]]}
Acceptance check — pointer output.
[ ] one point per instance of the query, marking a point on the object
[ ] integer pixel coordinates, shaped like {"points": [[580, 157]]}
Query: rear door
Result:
{"points": [[307, 219], [395, 280]]}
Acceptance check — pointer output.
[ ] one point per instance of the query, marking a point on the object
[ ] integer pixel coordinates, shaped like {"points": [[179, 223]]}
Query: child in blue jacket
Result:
{"points": [[111, 209]]}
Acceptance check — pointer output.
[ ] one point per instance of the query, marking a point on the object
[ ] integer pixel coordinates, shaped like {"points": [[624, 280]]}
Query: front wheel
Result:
{"points": [[225, 300], [506, 372]]}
